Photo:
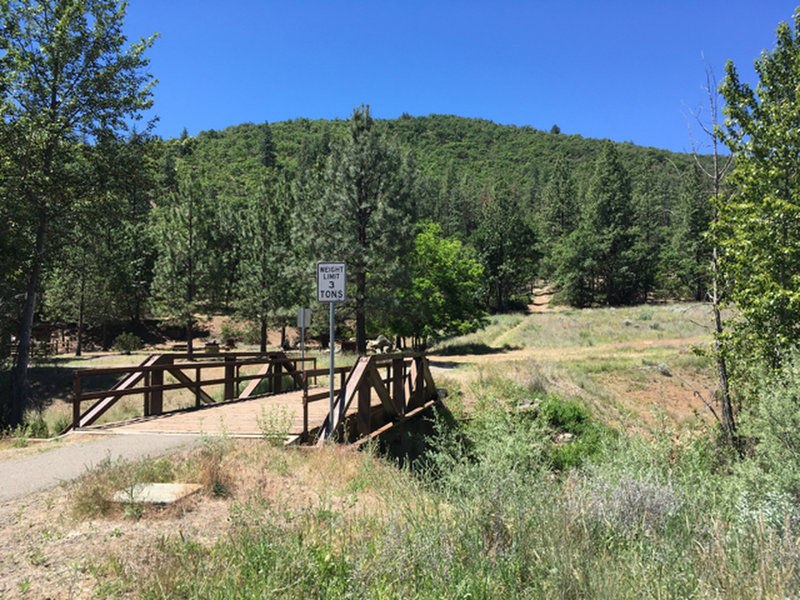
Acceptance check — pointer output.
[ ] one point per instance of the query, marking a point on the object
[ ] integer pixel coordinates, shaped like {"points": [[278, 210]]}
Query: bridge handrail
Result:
{"points": [[152, 370]]}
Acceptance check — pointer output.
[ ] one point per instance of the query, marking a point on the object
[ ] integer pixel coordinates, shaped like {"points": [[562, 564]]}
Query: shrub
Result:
{"points": [[127, 342], [774, 422]]}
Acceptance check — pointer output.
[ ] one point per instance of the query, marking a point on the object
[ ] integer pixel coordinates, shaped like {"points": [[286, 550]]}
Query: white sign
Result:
{"points": [[331, 281], [303, 318]]}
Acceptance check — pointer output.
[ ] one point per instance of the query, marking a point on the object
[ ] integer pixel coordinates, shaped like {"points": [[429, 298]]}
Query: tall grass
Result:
{"points": [[490, 515]]}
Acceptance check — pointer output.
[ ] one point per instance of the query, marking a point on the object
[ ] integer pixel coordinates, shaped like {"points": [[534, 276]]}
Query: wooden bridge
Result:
{"points": [[257, 394]]}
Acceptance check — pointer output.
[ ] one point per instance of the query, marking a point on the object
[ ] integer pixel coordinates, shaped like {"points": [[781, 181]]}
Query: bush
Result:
{"points": [[127, 342], [774, 423]]}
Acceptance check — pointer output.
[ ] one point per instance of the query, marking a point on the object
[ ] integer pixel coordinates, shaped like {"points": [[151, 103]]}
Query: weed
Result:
{"points": [[20, 436], [24, 585], [211, 472], [133, 510], [275, 424], [36, 557]]}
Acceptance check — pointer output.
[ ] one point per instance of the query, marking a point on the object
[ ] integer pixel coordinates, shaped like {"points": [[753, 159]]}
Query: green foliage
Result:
{"points": [[488, 520], [360, 210], [269, 279], [506, 243], [603, 259], [759, 226], [67, 73], [560, 208], [180, 231], [773, 421], [444, 295], [127, 342], [584, 435]]}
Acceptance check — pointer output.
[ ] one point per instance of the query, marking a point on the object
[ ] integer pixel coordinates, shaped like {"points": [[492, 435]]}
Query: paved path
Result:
{"points": [[29, 474]]}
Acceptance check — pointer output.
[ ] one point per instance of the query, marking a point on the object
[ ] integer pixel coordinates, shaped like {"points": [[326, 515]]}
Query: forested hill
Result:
{"points": [[585, 213], [473, 151]]}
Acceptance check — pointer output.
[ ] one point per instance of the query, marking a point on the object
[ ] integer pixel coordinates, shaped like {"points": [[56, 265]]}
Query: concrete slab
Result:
{"points": [[156, 493]]}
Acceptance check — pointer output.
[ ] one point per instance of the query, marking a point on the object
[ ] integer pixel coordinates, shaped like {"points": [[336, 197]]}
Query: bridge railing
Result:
{"points": [[402, 382], [148, 378]]}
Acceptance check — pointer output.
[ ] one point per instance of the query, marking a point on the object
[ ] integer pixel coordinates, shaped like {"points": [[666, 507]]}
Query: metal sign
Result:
{"points": [[331, 282], [303, 318], [331, 288]]}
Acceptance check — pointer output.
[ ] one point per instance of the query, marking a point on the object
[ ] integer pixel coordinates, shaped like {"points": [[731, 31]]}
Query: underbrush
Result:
{"points": [[91, 495], [498, 508]]}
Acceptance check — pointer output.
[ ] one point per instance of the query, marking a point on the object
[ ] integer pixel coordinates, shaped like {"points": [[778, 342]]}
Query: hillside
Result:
{"points": [[444, 147]]}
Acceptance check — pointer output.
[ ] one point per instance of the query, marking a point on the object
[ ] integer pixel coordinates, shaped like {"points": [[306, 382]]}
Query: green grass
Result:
{"points": [[496, 326], [492, 514], [612, 326]]}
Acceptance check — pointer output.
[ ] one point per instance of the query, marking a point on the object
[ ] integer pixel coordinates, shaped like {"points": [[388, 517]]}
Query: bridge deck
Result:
{"points": [[250, 417]]}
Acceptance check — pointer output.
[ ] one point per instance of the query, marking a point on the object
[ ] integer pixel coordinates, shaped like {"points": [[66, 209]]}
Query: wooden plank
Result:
{"points": [[102, 405], [254, 383], [398, 389], [430, 385], [391, 424], [345, 397], [186, 380], [375, 380]]}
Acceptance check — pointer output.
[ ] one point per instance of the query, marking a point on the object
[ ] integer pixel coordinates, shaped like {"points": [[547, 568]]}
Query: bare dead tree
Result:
{"points": [[715, 175]]}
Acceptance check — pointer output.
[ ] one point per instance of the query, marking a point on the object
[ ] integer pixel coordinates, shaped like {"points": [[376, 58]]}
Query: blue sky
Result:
{"points": [[623, 70]]}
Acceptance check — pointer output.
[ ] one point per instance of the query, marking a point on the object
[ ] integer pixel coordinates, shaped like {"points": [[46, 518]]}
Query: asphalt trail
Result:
{"points": [[33, 473]]}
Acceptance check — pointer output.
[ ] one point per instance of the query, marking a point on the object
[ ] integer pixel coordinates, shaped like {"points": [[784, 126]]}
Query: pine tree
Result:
{"points": [[609, 218], [180, 272], [362, 214], [269, 272], [560, 212]]}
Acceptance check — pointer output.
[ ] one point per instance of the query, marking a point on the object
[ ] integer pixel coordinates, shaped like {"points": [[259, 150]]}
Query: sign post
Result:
{"points": [[303, 323], [331, 288]]}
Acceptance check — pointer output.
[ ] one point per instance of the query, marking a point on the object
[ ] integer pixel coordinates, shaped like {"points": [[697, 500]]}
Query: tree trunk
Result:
{"points": [[263, 335], [81, 306], [361, 312], [20, 386], [722, 371], [189, 348]]}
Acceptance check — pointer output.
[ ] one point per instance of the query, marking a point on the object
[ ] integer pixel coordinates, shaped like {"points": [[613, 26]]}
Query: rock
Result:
{"points": [[655, 325], [380, 344], [664, 370], [627, 322]]}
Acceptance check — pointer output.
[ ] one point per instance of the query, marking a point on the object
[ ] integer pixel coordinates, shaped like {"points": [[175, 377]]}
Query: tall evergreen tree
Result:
{"points": [[267, 149], [609, 217], [363, 214], [689, 249], [181, 268], [560, 211], [506, 242], [269, 271]]}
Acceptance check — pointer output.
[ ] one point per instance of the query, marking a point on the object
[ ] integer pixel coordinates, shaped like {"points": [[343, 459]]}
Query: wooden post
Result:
{"points": [[364, 396], [398, 376], [157, 380], [419, 384], [277, 376], [230, 373], [147, 394], [305, 408], [197, 386], [238, 374], [76, 400]]}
